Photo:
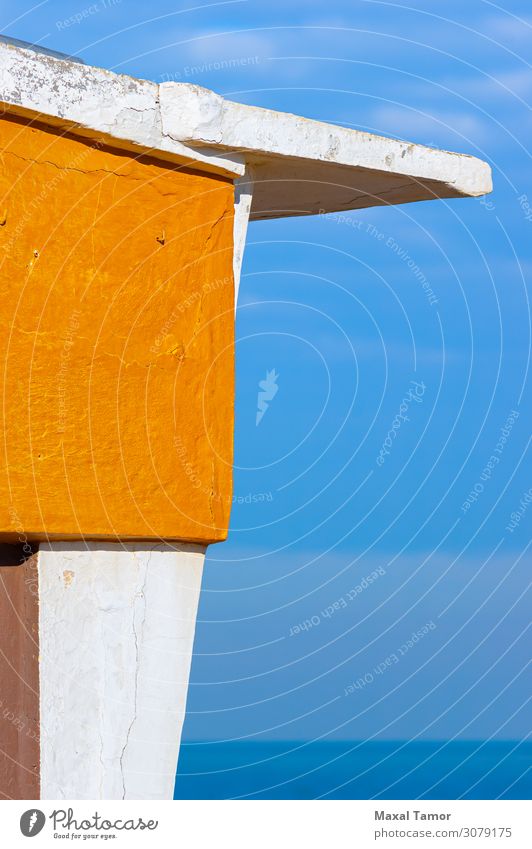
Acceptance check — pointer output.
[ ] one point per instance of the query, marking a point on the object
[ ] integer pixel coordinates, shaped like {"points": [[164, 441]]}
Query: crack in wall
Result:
{"points": [[137, 636]]}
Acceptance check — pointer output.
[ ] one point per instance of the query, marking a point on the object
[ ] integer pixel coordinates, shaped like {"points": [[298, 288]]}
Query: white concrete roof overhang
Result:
{"points": [[297, 166]]}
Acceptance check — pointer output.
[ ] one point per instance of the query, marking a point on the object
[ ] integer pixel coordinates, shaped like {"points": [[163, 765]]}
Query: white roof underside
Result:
{"points": [[298, 166]]}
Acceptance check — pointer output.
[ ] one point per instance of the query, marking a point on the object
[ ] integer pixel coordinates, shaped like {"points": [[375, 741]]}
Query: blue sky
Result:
{"points": [[338, 312]]}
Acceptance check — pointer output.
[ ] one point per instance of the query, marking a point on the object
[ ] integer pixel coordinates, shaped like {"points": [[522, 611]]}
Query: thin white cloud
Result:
{"points": [[433, 127], [508, 28], [207, 45], [494, 83]]}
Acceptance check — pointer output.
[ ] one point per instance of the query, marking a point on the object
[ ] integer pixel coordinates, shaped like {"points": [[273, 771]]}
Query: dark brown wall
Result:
{"points": [[19, 675]]}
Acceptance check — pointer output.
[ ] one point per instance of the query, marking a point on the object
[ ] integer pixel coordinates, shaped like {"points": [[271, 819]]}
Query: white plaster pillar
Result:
{"points": [[116, 630]]}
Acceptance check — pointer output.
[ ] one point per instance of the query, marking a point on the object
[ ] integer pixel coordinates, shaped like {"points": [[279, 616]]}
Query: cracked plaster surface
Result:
{"points": [[115, 651]]}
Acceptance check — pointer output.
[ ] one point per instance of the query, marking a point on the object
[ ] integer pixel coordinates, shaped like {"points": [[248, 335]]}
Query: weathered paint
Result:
{"points": [[300, 166], [117, 295], [94, 102], [116, 628]]}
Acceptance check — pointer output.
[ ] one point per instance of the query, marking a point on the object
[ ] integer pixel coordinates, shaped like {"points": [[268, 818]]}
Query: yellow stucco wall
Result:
{"points": [[116, 351]]}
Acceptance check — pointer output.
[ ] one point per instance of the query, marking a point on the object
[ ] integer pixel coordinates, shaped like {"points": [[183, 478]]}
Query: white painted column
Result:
{"points": [[243, 200], [116, 629]]}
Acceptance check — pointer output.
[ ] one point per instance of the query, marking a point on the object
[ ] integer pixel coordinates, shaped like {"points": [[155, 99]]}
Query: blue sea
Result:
{"points": [[354, 770]]}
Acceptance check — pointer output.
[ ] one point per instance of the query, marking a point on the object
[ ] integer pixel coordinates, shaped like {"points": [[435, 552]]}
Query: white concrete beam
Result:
{"points": [[304, 167]]}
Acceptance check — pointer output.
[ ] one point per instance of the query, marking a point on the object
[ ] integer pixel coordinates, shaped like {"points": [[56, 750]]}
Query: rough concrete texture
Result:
{"points": [[116, 286], [243, 200], [92, 101], [301, 166], [116, 630]]}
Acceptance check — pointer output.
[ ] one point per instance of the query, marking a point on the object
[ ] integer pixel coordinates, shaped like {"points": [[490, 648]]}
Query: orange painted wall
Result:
{"points": [[116, 350]]}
